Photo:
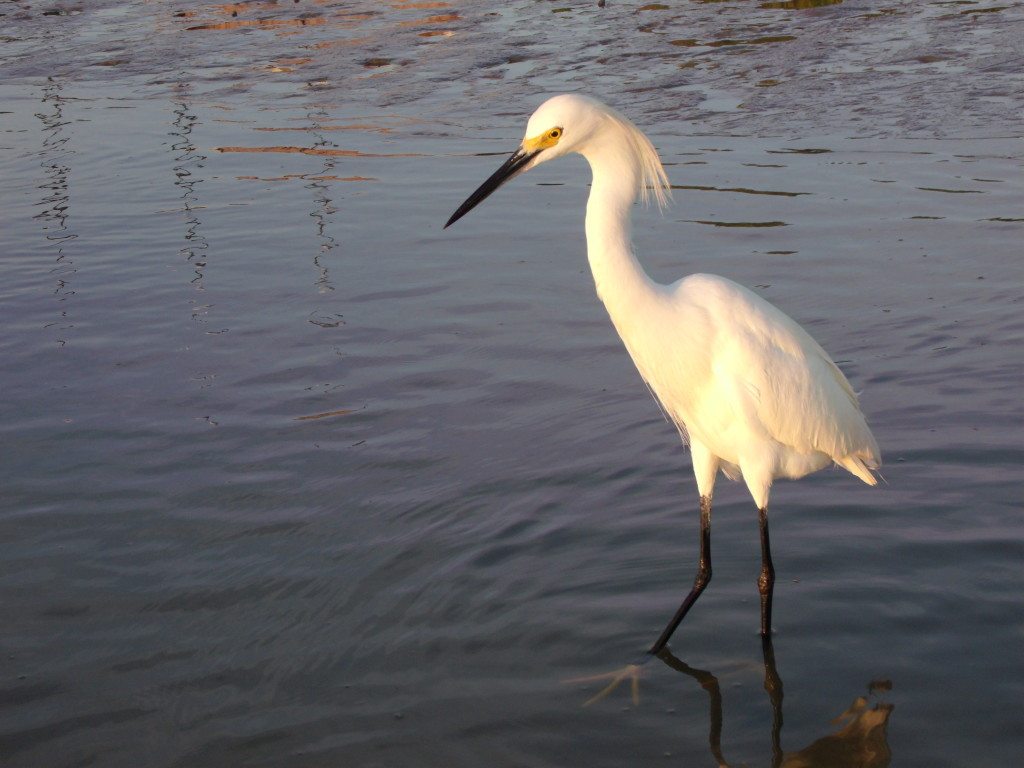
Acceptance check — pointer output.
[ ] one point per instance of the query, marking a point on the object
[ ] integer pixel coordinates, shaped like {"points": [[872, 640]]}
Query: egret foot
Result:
{"points": [[615, 678]]}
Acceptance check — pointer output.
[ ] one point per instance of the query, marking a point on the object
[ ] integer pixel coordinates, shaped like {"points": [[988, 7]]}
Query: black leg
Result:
{"points": [[701, 580], [766, 581], [773, 684]]}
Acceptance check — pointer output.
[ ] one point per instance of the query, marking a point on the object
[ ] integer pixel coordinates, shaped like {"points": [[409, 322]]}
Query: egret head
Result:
{"points": [[574, 123]]}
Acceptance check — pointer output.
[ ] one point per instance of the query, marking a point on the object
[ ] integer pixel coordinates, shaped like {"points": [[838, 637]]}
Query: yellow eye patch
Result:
{"points": [[545, 140]]}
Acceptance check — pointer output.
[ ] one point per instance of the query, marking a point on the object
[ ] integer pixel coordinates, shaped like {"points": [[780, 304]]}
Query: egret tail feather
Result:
{"points": [[855, 465]]}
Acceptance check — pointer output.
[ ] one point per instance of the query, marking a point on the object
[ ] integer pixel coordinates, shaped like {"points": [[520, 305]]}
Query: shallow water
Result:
{"points": [[292, 477]]}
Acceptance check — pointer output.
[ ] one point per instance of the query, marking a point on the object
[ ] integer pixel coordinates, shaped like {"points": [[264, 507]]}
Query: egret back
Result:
{"points": [[748, 382]]}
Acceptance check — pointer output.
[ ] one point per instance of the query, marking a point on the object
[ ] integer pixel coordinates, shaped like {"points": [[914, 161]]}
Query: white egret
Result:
{"points": [[754, 395]]}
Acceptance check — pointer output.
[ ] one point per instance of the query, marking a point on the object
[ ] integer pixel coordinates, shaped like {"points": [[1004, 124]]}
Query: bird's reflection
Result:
{"points": [[860, 742], [710, 684]]}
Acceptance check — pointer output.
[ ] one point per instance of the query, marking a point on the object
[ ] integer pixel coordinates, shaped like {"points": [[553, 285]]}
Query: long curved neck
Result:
{"points": [[619, 278]]}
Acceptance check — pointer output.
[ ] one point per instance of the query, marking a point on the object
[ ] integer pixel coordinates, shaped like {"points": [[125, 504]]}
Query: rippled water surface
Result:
{"points": [[292, 477]]}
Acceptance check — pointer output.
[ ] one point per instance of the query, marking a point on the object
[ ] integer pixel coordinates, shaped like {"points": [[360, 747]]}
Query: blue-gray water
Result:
{"points": [[292, 477]]}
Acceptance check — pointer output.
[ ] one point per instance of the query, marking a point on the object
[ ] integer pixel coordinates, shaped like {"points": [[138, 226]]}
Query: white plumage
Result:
{"points": [[756, 395], [753, 393]]}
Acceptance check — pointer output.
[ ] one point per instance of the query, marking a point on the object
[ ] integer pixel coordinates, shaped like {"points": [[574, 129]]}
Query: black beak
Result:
{"points": [[509, 168]]}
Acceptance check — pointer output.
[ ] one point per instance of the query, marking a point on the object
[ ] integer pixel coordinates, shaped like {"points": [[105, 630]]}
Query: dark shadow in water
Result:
{"points": [[54, 158], [187, 165], [860, 742], [323, 209]]}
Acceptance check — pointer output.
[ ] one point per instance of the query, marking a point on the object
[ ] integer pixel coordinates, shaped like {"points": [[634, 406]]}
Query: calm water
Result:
{"points": [[291, 477]]}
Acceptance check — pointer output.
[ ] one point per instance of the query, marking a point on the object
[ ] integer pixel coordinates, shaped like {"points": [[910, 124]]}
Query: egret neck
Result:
{"points": [[622, 284]]}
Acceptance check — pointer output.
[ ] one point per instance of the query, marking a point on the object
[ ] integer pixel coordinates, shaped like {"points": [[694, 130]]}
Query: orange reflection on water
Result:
{"points": [[288, 64], [306, 21], [415, 5], [320, 151], [338, 43], [441, 18], [862, 742], [233, 9]]}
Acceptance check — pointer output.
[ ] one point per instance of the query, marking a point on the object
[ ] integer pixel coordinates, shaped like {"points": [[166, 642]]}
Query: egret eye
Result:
{"points": [[554, 133]]}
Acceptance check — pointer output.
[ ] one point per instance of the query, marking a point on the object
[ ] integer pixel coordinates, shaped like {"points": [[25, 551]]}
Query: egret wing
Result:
{"points": [[780, 379]]}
